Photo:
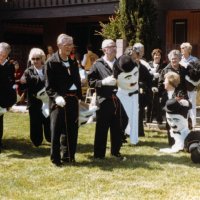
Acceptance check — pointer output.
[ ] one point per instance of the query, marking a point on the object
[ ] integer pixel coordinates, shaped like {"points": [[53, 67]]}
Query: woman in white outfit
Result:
{"points": [[187, 58]]}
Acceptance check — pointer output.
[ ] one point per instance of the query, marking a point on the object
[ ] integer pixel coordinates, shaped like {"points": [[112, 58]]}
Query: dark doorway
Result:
{"points": [[83, 34]]}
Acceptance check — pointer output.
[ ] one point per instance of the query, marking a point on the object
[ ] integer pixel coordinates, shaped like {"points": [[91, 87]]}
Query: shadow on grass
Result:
{"points": [[24, 149], [150, 162]]}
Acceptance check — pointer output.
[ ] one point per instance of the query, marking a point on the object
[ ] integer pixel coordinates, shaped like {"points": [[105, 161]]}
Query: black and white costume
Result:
{"points": [[154, 108], [182, 73], [39, 122], [192, 145], [192, 81], [145, 84], [127, 74], [63, 80], [177, 114], [108, 116], [7, 92]]}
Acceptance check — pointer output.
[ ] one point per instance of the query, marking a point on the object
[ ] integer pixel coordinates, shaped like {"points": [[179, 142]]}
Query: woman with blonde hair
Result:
{"points": [[35, 83], [171, 83]]}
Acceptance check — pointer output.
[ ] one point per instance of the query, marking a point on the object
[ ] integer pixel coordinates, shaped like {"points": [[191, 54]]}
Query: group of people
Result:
{"points": [[123, 86]]}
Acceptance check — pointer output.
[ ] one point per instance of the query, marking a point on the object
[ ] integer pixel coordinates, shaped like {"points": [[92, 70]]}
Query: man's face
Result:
{"points": [[128, 80], [111, 50], [65, 47], [3, 56], [176, 122]]}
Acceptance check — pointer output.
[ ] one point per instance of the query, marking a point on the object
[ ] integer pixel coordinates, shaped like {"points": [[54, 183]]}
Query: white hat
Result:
{"points": [[106, 43]]}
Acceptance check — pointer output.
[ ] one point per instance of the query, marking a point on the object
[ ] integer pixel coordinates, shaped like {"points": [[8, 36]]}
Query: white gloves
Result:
{"points": [[110, 80], [156, 75], [154, 89], [2, 110], [60, 101]]}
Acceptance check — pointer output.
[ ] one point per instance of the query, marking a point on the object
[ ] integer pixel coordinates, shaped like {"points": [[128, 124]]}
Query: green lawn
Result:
{"points": [[27, 173]]}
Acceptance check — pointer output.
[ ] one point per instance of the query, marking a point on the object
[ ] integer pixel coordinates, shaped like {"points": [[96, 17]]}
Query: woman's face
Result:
{"points": [[175, 61], [167, 85], [185, 51], [36, 60], [157, 58]]}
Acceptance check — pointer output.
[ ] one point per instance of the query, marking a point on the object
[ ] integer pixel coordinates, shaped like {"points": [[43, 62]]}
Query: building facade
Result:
{"points": [[28, 23]]}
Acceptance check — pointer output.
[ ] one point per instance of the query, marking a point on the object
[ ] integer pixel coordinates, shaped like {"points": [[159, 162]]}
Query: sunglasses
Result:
{"points": [[35, 58]]}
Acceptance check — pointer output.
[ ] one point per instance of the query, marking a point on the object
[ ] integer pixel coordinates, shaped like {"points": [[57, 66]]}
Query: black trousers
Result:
{"points": [[38, 125], [1, 129], [154, 109], [141, 125], [64, 129], [108, 116]]}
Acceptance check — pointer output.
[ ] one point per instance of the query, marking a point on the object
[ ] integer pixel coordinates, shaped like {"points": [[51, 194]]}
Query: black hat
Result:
{"points": [[193, 71], [192, 141], [123, 64], [174, 106], [195, 154]]}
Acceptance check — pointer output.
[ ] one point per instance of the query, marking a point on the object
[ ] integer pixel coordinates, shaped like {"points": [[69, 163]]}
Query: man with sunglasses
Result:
{"points": [[63, 87]]}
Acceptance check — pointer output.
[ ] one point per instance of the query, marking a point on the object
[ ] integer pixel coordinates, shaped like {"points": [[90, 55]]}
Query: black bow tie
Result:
{"points": [[177, 132], [132, 93]]}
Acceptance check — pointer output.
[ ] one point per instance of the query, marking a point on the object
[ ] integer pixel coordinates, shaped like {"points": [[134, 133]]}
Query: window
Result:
{"points": [[179, 31]]}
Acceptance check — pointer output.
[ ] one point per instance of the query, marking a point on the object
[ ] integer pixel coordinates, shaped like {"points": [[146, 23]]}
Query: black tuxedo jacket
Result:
{"points": [[59, 79], [8, 95], [33, 85]]}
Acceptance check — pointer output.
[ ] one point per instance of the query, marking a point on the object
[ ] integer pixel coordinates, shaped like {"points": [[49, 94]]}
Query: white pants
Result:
{"points": [[193, 112], [131, 106]]}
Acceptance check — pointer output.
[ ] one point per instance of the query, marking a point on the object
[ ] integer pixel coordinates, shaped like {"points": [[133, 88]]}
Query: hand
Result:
{"points": [[110, 80], [14, 86], [154, 89], [60, 101], [156, 75]]}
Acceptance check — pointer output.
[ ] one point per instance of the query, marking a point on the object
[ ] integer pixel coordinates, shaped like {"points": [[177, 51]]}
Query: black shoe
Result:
{"points": [[119, 157], [68, 160], [98, 158], [57, 163]]}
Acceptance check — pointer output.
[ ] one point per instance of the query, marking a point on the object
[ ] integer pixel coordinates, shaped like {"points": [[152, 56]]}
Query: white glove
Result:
{"points": [[60, 101], [110, 80], [14, 86], [156, 75], [154, 89]]}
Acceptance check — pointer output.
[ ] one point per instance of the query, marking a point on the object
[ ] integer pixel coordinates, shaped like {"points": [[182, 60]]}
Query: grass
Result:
{"points": [[27, 173]]}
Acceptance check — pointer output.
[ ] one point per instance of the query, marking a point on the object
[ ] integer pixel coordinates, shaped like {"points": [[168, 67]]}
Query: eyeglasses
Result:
{"points": [[35, 58], [111, 47]]}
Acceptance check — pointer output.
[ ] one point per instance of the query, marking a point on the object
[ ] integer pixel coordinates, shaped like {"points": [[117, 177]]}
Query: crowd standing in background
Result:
{"points": [[53, 86]]}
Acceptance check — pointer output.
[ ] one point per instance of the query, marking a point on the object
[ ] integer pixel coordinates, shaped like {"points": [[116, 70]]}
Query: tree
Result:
{"points": [[133, 21]]}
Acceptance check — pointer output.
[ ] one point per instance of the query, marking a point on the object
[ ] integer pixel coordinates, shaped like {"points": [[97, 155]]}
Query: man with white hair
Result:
{"points": [[108, 115], [63, 87], [7, 82]]}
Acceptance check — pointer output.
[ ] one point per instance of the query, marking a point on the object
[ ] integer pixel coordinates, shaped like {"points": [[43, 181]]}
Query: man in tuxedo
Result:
{"points": [[63, 87], [7, 84]]}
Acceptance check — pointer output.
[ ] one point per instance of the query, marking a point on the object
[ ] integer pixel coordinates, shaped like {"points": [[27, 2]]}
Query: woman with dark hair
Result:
{"points": [[153, 107]]}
